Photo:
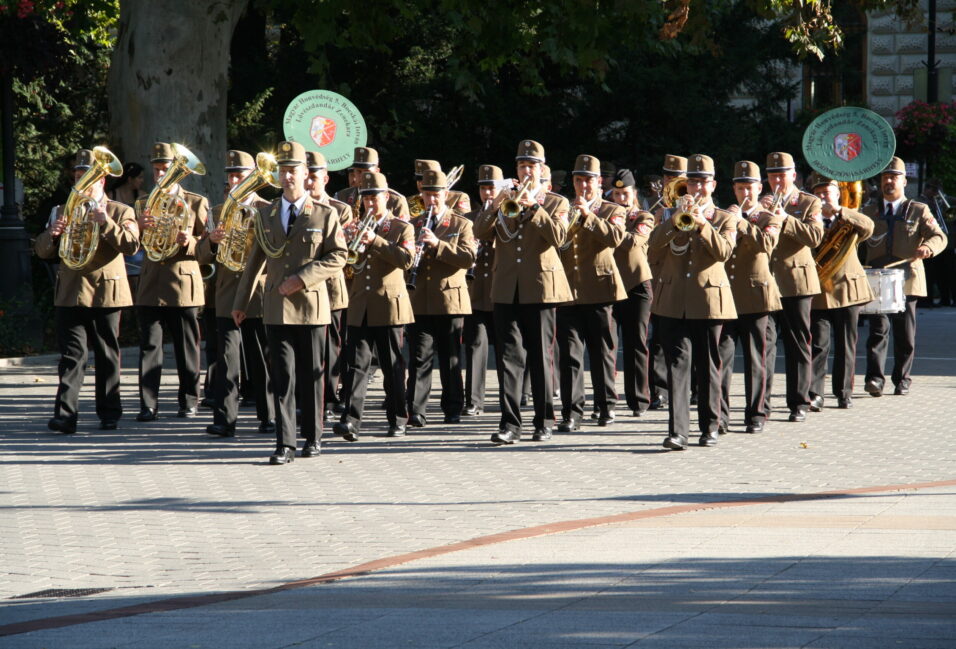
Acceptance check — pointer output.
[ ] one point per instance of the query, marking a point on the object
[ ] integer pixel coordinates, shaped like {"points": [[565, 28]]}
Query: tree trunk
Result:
{"points": [[169, 80]]}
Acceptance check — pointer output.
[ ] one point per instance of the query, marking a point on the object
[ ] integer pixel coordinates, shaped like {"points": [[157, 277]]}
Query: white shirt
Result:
{"points": [[896, 206], [284, 210]]}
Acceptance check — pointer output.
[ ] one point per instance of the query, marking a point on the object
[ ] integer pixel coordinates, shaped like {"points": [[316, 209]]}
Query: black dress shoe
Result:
{"points": [[708, 439], [247, 403], [675, 442], [267, 427], [637, 413], [188, 413], [221, 430], [569, 425], [797, 415], [108, 424], [605, 419], [504, 436], [816, 403], [346, 430], [338, 408], [901, 390], [471, 411], [756, 427], [844, 404], [396, 430], [659, 403], [311, 449], [417, 421], [452, 419], [62, 425], [207, 403], [722, 428], [596, 413], [283, 455], [874, 388], [147, 414], [541, 434]]}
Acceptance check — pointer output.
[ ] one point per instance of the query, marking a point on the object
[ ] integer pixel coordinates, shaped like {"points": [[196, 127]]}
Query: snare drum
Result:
{"points": [[887, 285]]}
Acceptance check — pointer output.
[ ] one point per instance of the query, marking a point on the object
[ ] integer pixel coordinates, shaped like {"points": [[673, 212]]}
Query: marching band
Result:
{"points": [[313, 293]]}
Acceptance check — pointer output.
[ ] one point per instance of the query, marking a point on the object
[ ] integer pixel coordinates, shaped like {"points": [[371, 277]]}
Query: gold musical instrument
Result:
{"points": [[838, 244], [575, 216], [416, 207], [454, 176], [673, 191], [79, 239], [687, 206], [509, 208], [851, 193], [239, 221], [169, 211], [948, 211]]}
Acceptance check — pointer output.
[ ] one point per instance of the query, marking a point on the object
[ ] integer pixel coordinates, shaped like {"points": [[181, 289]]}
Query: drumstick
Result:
{"points": [[897, 263]]}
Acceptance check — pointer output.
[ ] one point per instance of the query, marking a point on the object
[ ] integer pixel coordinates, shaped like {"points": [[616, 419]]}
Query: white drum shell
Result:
{"points": [[887, 286]]}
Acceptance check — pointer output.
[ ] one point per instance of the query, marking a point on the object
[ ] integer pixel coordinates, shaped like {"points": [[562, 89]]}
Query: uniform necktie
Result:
{"points": [[291, 218], [890, 227]]}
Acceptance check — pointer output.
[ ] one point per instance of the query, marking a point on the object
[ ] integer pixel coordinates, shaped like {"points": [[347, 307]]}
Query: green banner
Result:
{"points": [[849, 144], [327, 122]]}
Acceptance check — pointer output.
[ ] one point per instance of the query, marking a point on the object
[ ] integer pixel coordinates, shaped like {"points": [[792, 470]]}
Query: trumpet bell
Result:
{"points": [[684, 221]]}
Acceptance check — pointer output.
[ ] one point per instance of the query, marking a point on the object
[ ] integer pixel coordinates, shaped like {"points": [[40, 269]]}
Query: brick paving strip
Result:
{"points": [[193, 601]]}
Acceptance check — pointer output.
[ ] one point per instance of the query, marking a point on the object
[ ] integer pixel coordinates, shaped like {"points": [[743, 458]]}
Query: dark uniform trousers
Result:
{"points": [[843, 324], [385, 342], [680, 338], [182, 322], [751, 329], [237, 346], [256, 385], [904, 344], [590, 326], [658, 364], [633, 316], [524, 334], [78, 329], [210, 335], [795, 331], [479, 332], [296, 352], [334, 345], [430, 335]]}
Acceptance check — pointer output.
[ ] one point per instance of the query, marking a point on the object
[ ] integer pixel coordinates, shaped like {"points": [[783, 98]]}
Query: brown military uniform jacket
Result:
{"points": [[631, 255], [378, 295], [314, 251], [849, 283], [917, 228], [479, 288], [753, 285], [102, 283], [226, 281], [693, 282], [440, 286], [338, 289], [528, 263], [792, 260], [176, 281], [589, 259], [397, 204]]}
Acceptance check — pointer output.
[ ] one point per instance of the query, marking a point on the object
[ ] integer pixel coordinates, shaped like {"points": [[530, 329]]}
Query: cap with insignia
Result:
{"points": [[372, 182], [315, 161], [587, 165], [816, 180], [488, 174], [162, 152], [675, 165], [608, 169], [433, 181], [290, 154], [365, 158], [700, 166], [623, 178], [746, 171], [530, 150], [422, 165], [239, 161], [83, 159], [545, 173], [779, 161], [896, 166]]}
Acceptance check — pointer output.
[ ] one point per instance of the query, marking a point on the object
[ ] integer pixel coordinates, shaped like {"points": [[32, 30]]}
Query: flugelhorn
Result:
{"points": [[80, 237], [239, 221], [685, 218], [169, 211]]}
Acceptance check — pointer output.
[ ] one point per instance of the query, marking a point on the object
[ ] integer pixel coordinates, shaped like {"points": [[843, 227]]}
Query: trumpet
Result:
{"points": [[169, 210], [79, 240], [685, 219], [510, 208], [356, 248], [574, 225]]}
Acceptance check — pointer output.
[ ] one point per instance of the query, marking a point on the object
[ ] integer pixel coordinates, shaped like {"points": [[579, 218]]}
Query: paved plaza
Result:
{"points": [[838, 532]]}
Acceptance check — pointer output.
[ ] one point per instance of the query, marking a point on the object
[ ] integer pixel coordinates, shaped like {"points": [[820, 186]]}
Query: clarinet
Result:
{"points": [[419, 251]]}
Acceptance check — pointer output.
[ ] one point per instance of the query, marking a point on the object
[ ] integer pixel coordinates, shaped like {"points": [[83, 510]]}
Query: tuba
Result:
{"points": [[838, 244], [79, 240], [238, 220], [167, 209]]}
